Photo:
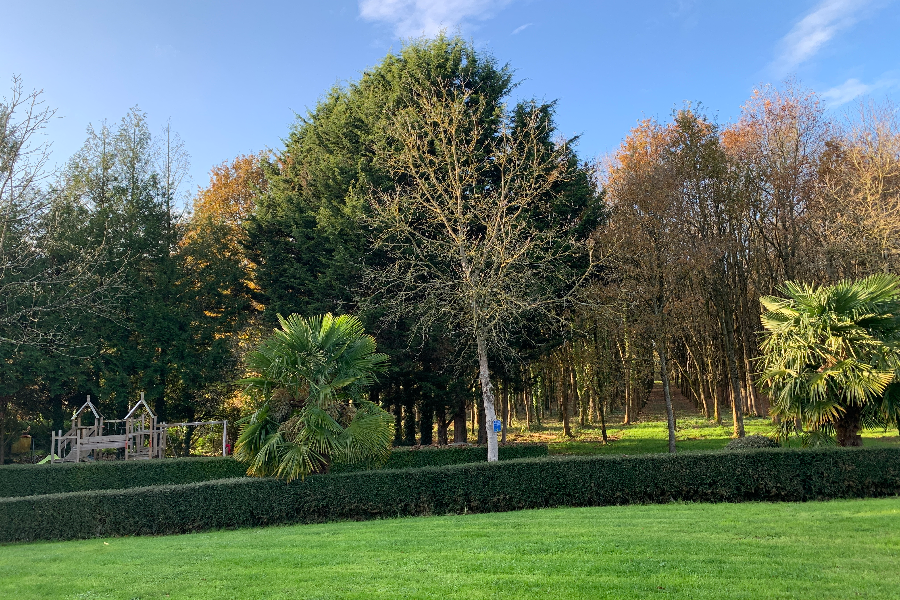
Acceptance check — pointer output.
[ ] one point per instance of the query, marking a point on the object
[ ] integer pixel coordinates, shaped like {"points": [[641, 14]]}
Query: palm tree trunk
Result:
{"points": [[848, 425]]}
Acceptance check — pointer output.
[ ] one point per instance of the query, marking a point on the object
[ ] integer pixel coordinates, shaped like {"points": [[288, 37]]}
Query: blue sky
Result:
{"points": [[231, 75]]}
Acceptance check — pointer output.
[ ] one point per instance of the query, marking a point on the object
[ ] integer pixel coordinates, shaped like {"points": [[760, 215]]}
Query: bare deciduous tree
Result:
{"points": [[469, 229], [45, 278]]}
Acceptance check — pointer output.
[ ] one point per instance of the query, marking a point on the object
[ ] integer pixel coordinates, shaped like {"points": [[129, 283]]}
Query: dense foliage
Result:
{"points": [[312, 374], [752, 441], [783, 475], [430, 456], [581, 284], [30, 480]]}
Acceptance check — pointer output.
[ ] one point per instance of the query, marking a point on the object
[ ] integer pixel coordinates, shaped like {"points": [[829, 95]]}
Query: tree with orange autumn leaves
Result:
{"points": [[699, 221], [218, 275], [707, 219]]}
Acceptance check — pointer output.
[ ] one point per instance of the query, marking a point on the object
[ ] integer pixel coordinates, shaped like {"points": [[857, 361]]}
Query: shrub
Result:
{"points": [[29, 480], [429, 456], [768, 474], [752, 441]]}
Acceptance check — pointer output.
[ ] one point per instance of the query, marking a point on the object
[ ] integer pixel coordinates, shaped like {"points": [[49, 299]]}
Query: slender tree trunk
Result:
{"points": [[529, 403], [441, 416], [460, 431], [726, 318], [563, 396], [602, 419], [409, 416], [579, 399], [398, 419], [752, 394], [504, 408], [670, 413], [426, 423], [704, 398], [592, 407], [719, 398], [481, 425], [736, 402], [629, 396], [487, 395], [4, 408]]}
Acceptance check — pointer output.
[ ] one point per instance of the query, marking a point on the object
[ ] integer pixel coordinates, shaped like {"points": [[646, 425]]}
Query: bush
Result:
{"points": [[752, 441], [29, 480], [769, 474], [430, 456]]}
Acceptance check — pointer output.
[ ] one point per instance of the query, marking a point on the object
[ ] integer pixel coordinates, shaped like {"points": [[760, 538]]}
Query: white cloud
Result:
{"points": [[853, 89], [521, 28], [427, 17], [815, 29], [847, 91]]}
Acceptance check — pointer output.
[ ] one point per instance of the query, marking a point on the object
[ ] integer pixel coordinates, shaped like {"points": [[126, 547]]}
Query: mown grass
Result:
{"points": [[692, 433], [840, 549]]}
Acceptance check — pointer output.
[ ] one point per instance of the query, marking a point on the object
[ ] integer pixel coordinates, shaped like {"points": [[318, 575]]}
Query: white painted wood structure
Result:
{"points": [[143, 438]]}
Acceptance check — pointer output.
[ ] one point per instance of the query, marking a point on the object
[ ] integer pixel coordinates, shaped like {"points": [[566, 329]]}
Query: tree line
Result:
{"points": [[503, 276]]}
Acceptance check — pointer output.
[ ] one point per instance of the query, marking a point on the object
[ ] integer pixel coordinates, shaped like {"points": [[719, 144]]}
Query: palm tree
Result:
{"points": [[831, 355], [312, 374]]}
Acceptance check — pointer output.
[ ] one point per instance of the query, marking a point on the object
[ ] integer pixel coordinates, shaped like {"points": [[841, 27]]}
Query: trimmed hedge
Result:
{"points": [[752, 441], [30, 480], [771, 474], [430, 456]]}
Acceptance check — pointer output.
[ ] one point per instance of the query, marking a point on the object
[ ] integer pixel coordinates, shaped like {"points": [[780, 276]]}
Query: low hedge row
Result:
{"points": [[769, 474], [29, 480], [430, 456]]}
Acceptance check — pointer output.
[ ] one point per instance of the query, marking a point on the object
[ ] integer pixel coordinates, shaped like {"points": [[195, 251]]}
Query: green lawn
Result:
{"points": [[692, 433], [841, 549]]}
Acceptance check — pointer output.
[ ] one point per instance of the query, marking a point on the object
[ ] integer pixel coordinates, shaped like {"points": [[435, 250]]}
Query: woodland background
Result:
{"points": [[110, 287]]}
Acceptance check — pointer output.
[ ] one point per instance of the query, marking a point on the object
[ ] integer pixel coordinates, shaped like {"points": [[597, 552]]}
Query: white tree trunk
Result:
{"points": [[487, 395]]}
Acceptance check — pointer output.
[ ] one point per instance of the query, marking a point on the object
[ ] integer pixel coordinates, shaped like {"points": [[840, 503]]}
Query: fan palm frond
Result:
{"points": [[322, 362], [828, 349]]}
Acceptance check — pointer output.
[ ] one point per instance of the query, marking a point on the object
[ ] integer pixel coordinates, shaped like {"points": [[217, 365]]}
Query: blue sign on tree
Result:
{"points": [[498, 426]]}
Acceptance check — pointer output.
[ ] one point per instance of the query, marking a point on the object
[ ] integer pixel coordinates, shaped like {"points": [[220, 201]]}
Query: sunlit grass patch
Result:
{"points": [[822, 550], [692, 433]]}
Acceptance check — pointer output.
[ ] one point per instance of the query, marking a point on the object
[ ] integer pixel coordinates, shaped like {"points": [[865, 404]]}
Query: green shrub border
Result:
{"points": [[30, 480], [411, 457], [767, 475]]}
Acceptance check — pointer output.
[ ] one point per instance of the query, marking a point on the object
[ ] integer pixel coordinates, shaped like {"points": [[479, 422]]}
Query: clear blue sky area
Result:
{"points": [[231, 75]]}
